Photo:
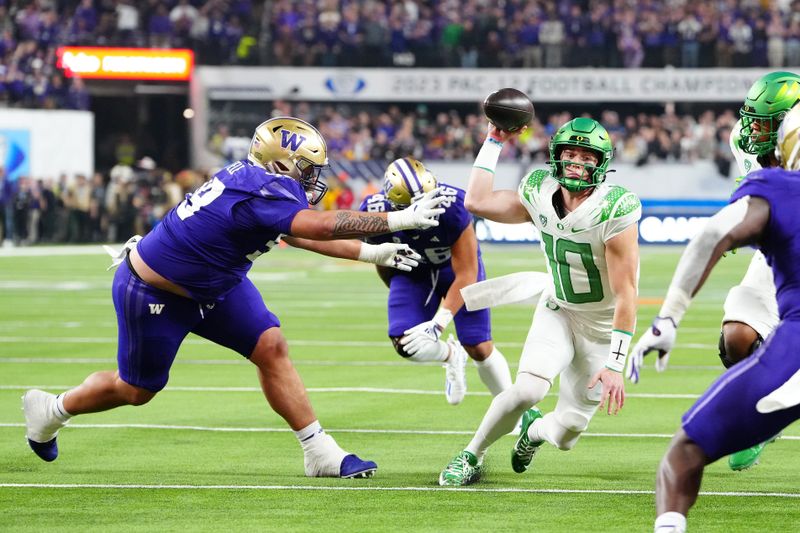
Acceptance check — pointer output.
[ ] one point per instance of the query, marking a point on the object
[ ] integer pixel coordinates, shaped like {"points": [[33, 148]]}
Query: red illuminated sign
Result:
{"points": [[126, 63]]}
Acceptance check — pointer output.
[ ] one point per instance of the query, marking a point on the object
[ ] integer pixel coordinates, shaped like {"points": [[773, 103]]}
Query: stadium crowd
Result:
{"points": [[449, 33], [135, 193], [356, 133]]}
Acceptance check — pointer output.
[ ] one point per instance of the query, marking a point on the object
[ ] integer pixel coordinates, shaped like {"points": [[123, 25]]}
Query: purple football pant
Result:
{"points": [[407, 307], [152, 324], [724, 420]]}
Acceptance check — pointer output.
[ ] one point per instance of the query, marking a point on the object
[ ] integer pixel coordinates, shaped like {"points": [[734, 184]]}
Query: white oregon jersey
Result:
{"points": [[747, 163], [575, 246]]}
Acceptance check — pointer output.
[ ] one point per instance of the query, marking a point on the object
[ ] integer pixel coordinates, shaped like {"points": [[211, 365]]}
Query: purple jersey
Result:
{"points": [[208, 243], [780, 242], [433, 244]]}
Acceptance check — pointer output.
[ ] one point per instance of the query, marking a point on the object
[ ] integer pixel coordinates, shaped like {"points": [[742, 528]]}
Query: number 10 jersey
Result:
{"points": [[575, 247]]}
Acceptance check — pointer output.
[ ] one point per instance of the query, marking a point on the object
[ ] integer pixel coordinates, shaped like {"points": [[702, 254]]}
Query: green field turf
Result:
{"points": [[208, 454]]}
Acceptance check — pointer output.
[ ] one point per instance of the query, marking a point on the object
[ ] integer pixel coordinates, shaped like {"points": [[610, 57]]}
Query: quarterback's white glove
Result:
{"points": [[389, 254], [425, 333], [423, 213], [660, 336]]}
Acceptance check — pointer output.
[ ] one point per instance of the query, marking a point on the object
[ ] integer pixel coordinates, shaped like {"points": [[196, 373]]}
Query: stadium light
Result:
{"points": [[126, 63]]}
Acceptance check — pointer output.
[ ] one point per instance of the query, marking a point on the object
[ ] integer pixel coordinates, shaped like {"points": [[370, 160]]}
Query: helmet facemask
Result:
{"points": [[583, 133], [310, 180], [759, 132], [583, 182]]}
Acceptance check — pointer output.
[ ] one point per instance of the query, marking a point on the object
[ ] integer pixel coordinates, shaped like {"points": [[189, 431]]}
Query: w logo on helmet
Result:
{"points": [[291, 140]]}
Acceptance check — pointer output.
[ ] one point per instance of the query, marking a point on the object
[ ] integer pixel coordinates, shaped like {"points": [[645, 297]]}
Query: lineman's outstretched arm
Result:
{"points": [[399, 256], [481, 198], [331, 225], [622, 257], [738, 224]]}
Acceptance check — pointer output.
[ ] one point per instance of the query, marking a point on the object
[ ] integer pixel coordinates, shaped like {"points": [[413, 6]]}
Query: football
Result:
{"points": [[508, 109]]}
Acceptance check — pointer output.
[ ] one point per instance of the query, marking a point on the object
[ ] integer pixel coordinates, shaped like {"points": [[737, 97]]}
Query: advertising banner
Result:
{"points": [[472, 85]]}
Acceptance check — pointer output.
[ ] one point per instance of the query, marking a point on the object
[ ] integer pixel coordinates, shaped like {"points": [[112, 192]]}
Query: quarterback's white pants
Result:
{"points": [[555, 347], [753, 300]]}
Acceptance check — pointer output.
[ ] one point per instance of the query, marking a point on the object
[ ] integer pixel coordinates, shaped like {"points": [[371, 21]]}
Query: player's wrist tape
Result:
{"points": [[489, 155], [675, 305], [618, 351], [368, 253], [400, 220], [443, 317]]}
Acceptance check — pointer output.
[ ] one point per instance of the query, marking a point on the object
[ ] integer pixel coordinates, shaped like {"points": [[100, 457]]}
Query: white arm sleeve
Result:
{"points": [[696, 257]]}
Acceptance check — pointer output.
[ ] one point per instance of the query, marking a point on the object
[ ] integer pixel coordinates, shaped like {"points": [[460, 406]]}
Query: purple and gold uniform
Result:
{"points": [[206, 245], [725, 418], [415, 296]]}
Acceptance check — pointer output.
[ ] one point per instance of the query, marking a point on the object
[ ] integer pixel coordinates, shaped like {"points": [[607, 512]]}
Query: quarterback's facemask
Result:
{"points": [[405, 180], [787, 147], [294, 148], [582, 133], [765, 106]]}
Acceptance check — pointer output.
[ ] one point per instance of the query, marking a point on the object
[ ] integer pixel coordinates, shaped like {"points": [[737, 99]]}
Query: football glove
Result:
{"points": [[660, 337], [422, 214], [389, 254], [424, 333]]}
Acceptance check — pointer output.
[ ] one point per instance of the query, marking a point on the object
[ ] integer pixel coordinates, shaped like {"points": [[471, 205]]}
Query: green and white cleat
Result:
{"points": [[463, 470], [746, 458], [524, 449]]}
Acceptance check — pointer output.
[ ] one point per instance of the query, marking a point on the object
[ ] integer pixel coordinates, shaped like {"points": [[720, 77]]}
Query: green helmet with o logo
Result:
{"points": [[767, 102], [585, 133]]}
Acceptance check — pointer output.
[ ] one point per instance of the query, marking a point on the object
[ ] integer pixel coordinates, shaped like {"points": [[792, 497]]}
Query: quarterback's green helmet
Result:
{"points": [[585, 133], [766, 103]]}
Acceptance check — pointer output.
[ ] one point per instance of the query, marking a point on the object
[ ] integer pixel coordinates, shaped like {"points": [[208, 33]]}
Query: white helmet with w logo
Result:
{"points": [[294, 148]]}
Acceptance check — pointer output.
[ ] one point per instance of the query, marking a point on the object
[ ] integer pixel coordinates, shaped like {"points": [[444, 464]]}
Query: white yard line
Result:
{"points": [[234, 361], [368, 390], [292, 342], [378, 489], [342, 430]]}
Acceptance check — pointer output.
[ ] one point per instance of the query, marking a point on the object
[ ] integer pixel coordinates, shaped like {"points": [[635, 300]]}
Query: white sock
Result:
{"points": [[438, 351], [58, 408], [309, 434], [494, 372], [671, 522], [505, 410]]}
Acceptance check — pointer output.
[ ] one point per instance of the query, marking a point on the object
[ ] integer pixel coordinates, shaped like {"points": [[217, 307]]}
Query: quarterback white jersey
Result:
{"points": [[575, 246], [747, 163]]}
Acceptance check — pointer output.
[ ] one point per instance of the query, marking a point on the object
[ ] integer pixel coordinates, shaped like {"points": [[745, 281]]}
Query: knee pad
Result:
{"points": [[399, 347], [573, 422], [529, 390], [570, 427]]}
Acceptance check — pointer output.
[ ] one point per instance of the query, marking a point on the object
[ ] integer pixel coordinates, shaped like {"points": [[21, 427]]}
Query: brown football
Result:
{"points": [[508, 109]]}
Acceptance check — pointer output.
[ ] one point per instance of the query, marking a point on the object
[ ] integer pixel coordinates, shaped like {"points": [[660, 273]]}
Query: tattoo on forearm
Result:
{"points": [[350, 224]]}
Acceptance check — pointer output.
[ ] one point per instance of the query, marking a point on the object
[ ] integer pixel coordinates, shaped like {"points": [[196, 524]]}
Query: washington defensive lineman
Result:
{"points": [[751, 312], [451, 260], [583, 324], [758, 397], [190, 275]]}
